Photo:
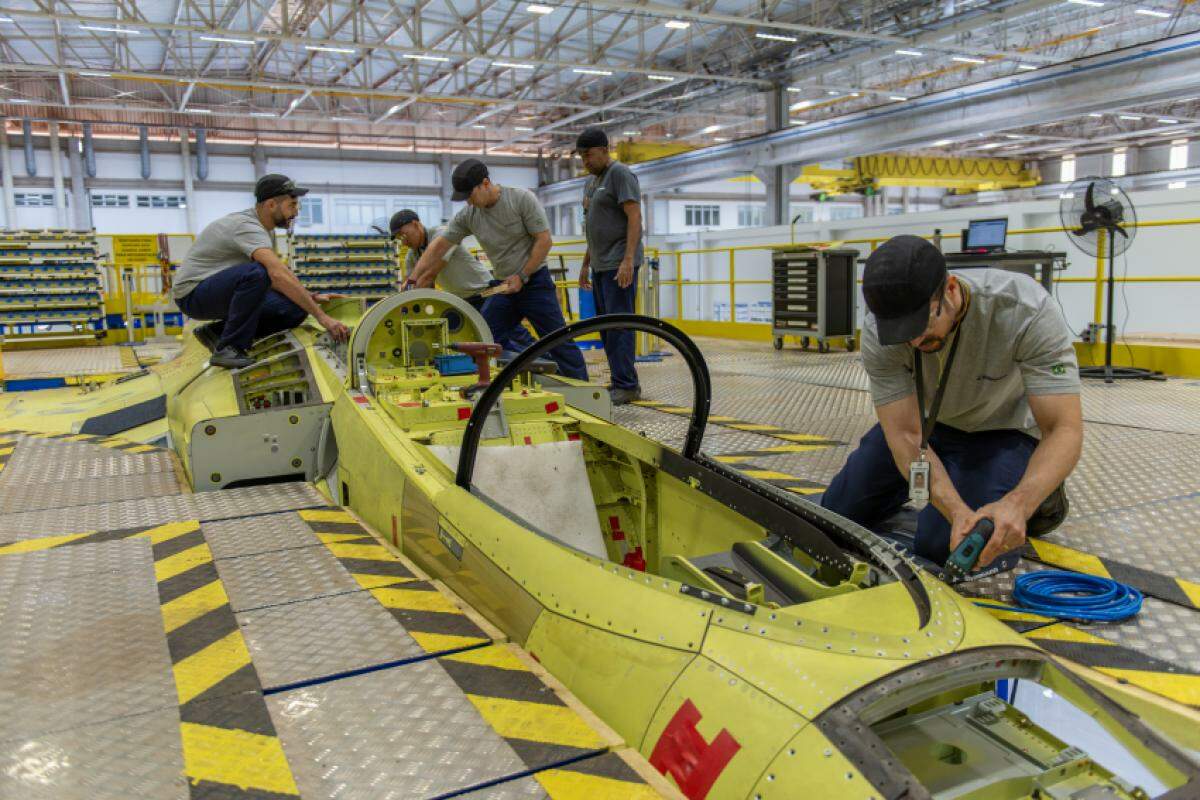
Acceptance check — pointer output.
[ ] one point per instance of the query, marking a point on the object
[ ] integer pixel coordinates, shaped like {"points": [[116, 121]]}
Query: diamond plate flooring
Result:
{"points": [[110, 615]]}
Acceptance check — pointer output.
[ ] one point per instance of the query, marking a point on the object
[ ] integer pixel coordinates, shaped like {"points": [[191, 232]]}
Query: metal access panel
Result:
{"points": [[231, 451]]}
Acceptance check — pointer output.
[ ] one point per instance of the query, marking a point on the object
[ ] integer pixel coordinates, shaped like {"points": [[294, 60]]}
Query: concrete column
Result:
{"points": [[258, 157], [189, 194], [566, 221], [647, 215], [445, 171], [81, 207], [10, 206], [777, 180], [56, 172], [906, 200]]}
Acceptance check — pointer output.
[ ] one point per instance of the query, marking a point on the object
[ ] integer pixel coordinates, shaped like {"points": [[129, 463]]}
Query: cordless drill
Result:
{"points": [[966, 555]]}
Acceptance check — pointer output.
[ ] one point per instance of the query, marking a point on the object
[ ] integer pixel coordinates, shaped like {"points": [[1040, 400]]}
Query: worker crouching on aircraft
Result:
{"points": [[233, 276], [976, 388]]}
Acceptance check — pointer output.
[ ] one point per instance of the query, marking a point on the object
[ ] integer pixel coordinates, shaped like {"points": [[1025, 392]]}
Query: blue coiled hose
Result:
{"points": [[1070, 595]]}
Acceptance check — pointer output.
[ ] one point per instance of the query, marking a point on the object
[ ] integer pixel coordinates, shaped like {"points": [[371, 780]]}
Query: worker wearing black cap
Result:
{"points": [[976, 387], [232, 275], [511, 227], [612, 224]]}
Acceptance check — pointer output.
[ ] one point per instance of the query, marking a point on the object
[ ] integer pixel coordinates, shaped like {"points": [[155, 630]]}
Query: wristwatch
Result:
{"points": [[524, 278]]}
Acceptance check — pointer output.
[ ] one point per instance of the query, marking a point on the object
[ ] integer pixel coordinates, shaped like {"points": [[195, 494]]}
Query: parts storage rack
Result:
{"points": [[361, 265], [813, 296], [50, 284]]}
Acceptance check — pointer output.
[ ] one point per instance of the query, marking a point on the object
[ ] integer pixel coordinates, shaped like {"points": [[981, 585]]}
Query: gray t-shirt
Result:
{"points": [[223, 243], [604, 218], [505, 231], [463, 275], [1015, 343]]}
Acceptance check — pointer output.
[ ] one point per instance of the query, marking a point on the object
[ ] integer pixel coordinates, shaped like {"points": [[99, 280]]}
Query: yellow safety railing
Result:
{"points": [[678, 283]]}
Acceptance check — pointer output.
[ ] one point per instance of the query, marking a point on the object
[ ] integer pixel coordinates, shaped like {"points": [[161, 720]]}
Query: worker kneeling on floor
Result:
{"points": [[233, 276], [976, 387]]}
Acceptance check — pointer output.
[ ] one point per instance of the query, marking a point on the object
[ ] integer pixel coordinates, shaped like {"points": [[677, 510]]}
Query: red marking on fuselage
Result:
{"points": [[682, 753]]}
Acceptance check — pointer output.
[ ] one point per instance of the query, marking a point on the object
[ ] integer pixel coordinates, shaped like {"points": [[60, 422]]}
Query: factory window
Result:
{"points": [[430, 211], [751, 215], [701, 216], [1179, 154], [110, 200], [1067, 170], [161, 201], [1118, 164], [845, 211], [355, 214], [312, 212], [33, 200]]}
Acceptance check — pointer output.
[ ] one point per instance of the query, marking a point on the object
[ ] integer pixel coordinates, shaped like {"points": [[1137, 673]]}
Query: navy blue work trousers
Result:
{"points": [[538, 303], [983, 466], [242, 296], [518, 335], [618, 344]]}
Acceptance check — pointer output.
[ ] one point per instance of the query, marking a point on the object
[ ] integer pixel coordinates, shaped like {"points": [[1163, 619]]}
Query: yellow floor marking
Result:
{"points": [[753, 426], [804, 437], [203, 670], [377, 581], [1180, 688], [732, 459], [805, 489], [412, 600], [1016, 616], [141, 448], [1059, 632], [1192, 590], [193, 605], [440, 642], [500, 657], [367, 552], [171, 530], [236, 758], [675, 409], [1067, 558], [722, 419], [180, 563], [326, 515], [563, 785], [768, 475], [78, 437], [6, 449], [536, 722], [792, 448], [334, 538], [44, 543]]}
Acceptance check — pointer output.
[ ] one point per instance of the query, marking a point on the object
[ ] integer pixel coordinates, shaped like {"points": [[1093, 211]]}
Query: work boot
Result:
{"points": [[622, 397], [209, 334], [1050, 513], [230, 358]]}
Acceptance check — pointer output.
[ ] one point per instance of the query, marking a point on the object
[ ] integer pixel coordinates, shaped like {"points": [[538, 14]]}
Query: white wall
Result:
{"points": [[1152, 308]]}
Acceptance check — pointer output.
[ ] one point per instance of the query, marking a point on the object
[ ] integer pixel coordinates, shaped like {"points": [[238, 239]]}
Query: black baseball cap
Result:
{"points": [[466, 177], [901, 277], [591, 137], [402, 218], [269, 186]]}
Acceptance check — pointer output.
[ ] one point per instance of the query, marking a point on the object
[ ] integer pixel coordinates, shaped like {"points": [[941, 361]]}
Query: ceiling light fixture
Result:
{"points": [[538, 8], [227, 40], [803, 104], [106, 29], [199, 110], [337, 119], [583, 71], [677, 24], [425, 57], [942, 142], [1026, 67], [1128, 116], [90, 74], [1089, 3], [1147, 12], [663, 78], [909, 53], [968, 60], [1097, 116], [990, 145], [631, 133], [266, 114], [832, 92], [711, 129], [1177, 184], [522, 128], [17, 100], [511, 65], [897, 97], [775, 37], [1167, 121], [327, 49]]}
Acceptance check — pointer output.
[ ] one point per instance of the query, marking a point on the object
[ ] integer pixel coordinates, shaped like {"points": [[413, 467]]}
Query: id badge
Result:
{"points": [[918, 483]]}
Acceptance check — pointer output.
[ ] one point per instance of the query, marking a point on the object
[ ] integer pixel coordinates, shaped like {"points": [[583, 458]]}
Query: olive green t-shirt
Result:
{"points": [[462, 276], [223, 243], [505, 231], [1015, 344]]}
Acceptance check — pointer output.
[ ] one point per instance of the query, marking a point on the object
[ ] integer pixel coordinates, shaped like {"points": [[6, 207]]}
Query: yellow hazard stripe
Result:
{"points": [[170, 530], [44, 543], [768, 475], [327, 515], [201, 671], [1068, 558], [193, 605], [441, 642], [236, 758], [1180, 688], [498, 657], [805, 489], [565, 785], [415, 600], [180, 563], [369, 552], [536, 722]]}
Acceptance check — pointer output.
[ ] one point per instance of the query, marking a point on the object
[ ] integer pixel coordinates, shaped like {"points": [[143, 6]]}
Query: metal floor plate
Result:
{"points": [[156, 510], [32, 465], [88, 491], [283, 576]]}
